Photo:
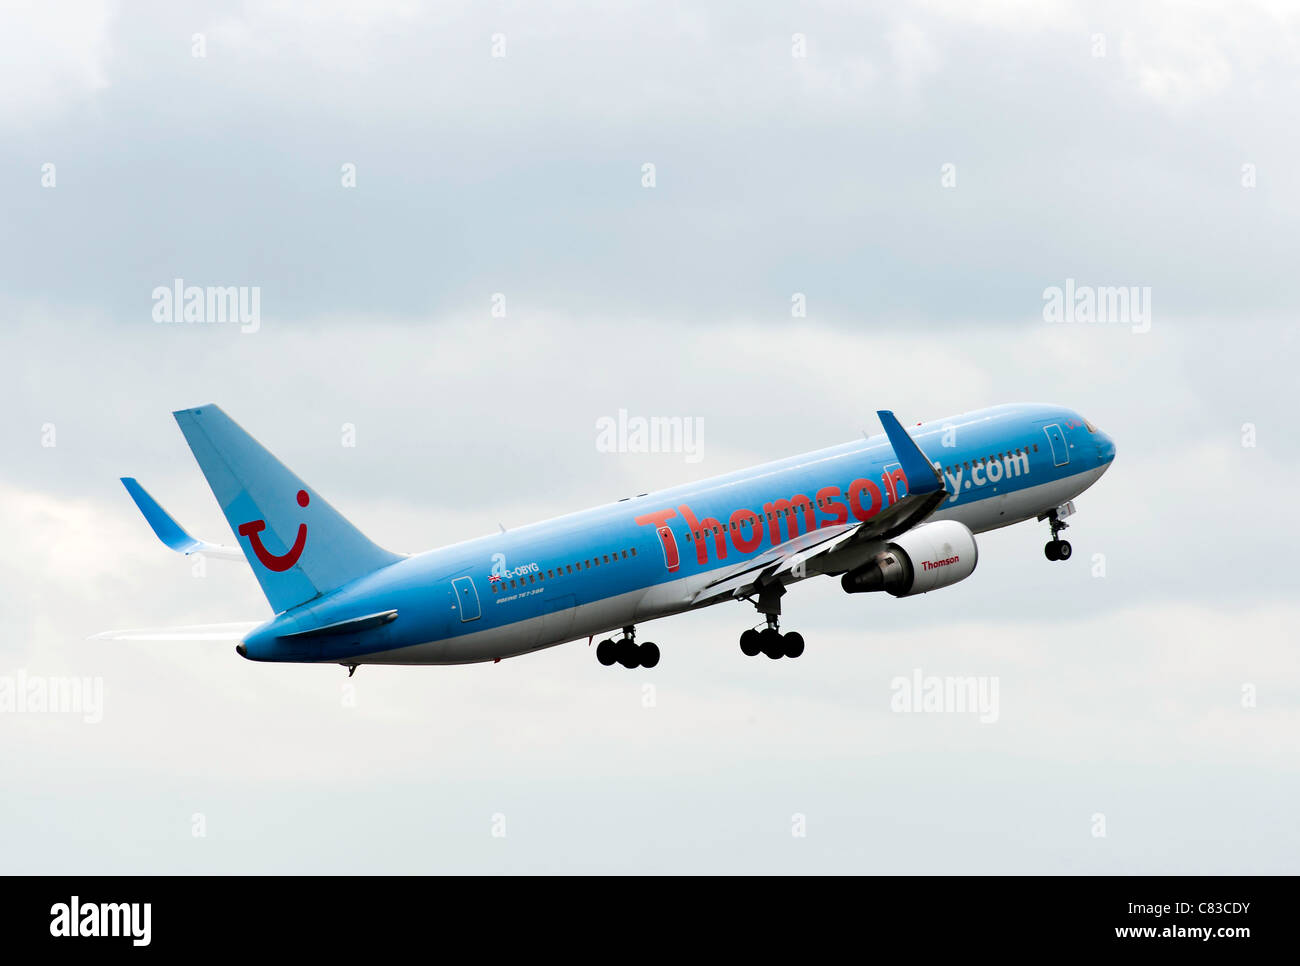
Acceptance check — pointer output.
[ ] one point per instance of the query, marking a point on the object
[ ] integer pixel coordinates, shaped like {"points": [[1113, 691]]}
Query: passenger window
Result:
{"points": [[624, 554], [606, 558], [512, 583], [568, 568], [634, 551]]}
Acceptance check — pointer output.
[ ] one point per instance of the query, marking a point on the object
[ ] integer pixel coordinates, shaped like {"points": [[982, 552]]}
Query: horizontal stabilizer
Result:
{"points": [[350, 626]]}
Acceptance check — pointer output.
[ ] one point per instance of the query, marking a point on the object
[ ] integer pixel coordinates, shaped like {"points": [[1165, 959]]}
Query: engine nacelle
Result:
{"points": [[926, 558]]}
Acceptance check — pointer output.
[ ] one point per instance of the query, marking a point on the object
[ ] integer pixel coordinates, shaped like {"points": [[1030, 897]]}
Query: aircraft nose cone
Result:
{"points": [[1105, 449]]}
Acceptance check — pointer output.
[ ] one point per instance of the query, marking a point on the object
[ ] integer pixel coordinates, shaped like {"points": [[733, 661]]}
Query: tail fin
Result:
{"points": [[297, 544]]}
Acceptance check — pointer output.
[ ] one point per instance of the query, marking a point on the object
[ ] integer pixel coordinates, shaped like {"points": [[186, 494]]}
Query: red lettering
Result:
{"points": [[891, 482], [701, 527], [738, 521], [785, 509], [856, 489], [656, 520], [826, 497]]}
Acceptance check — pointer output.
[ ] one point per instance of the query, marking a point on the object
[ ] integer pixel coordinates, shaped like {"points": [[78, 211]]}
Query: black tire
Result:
{"points": [[628, 655], [793, 644], [770, 642], [1064, 550], [1050, 550], [606, 652], [750, 643], [649, 654]]}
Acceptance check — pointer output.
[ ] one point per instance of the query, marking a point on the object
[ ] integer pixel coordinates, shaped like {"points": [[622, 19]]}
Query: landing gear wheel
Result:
{"points": [[607, 652], [793, 644], [1058, 550], [770, 643], [627, 653], [649, 654], [750, 643]]}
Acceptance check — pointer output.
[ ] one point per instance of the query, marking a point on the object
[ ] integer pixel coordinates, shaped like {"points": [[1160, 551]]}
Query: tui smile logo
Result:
{"points": [[270, 561]]}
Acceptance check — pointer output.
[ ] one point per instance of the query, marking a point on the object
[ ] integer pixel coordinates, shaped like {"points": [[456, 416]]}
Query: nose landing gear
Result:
{"points": [[1056, 548]]}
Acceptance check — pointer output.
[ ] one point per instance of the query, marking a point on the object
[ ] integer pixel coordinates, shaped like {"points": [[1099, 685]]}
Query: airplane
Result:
{"points": [[879, 513]]}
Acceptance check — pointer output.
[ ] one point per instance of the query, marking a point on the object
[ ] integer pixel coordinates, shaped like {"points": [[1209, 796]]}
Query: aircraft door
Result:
{"points": [[464, 599], [672, 560], [1060, 450], [894, 481]]}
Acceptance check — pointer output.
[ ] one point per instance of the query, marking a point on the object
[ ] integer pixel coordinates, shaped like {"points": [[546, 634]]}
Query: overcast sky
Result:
{"points": [[919, 172]]}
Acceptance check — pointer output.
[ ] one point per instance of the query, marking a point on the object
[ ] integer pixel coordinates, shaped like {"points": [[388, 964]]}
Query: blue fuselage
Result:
{"points": [[642, 557]]}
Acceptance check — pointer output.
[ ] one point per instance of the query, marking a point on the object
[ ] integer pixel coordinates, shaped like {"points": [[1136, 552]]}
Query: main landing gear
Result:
{"points": [[770, 640], [627, 652], [1056, 548]]}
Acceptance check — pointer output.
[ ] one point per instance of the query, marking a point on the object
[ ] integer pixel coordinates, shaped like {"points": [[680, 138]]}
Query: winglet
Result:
{"points": [[167, 529], [921, 475]]}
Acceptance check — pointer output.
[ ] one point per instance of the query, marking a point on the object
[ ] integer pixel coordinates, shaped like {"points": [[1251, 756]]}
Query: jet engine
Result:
{"points": [[925, 558]]}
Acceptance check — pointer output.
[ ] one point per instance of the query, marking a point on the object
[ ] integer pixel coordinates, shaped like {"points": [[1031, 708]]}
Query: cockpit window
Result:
{"points": [[1091, 427]]}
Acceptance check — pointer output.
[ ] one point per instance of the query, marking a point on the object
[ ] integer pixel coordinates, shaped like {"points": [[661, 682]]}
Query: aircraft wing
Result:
{"points": [[839, 548]]}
